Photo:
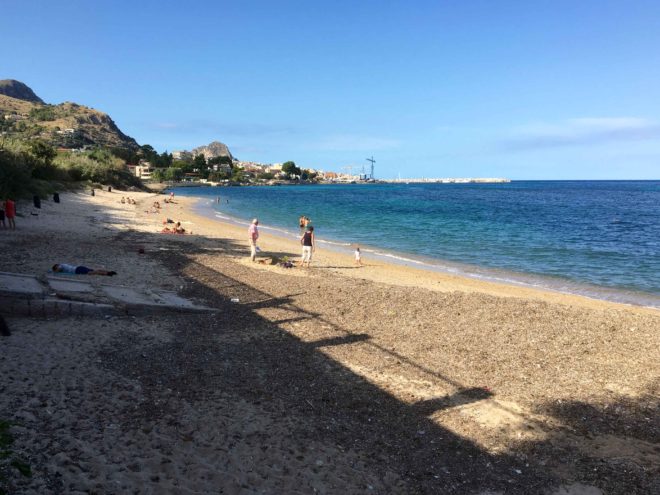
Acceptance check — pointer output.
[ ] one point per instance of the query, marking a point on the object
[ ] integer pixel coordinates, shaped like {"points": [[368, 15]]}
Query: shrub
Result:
{"points": [[15, 174]]}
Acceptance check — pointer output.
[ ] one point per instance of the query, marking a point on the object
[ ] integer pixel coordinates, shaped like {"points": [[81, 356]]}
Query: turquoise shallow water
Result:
{"points": [[599, 238]]}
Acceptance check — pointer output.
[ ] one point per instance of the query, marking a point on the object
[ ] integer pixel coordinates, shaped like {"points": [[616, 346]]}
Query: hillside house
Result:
{"points": [[143, 171]]}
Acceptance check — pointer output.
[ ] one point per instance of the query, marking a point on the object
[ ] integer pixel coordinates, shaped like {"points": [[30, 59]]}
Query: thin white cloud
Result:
{"points": [[165, 125], [349, 142], [232, 128], [582, 132]]}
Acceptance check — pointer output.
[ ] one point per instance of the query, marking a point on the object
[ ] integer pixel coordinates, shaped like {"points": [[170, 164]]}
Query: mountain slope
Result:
{"points": [[68, 124], [18, 90]]}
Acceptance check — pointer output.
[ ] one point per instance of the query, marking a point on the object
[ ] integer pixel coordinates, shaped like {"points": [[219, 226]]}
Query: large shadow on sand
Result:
{"points": [[254, 359]]}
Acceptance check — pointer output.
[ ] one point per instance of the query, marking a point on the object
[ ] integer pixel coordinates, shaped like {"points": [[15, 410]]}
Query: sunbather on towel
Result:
{"points": [[80, 270]]}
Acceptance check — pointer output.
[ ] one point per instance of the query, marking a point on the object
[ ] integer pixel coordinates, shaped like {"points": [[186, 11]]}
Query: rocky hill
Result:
{"points": [[18, 90], [24, 115], [213, 150]]}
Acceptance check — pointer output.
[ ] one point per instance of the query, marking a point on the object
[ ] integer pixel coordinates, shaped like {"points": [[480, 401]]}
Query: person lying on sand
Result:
{"points": [[80, 270]]}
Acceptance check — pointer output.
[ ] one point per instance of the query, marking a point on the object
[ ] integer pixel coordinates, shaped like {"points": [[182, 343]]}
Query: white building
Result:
{"points": [[143, 171]]}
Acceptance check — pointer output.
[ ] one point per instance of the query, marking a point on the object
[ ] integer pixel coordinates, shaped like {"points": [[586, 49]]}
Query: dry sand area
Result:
{"points": [[335, 379]]}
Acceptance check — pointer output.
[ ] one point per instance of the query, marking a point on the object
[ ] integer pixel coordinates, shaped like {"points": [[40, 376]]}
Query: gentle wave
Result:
{"points": [[527, 234]]}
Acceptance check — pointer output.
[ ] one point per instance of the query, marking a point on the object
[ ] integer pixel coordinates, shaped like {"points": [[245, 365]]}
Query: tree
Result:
{"points": [[199, 162], [15, 174], [184, 165], [149, 154], [147, 150], [238, 175], [290, 169], [43, 152], [217, 160], [217, 176], [129, 156], [163, 160], [265, 176], [42, 160], [158, 174], [173, 173], [43, 113], [308, 175], [101, 155]]}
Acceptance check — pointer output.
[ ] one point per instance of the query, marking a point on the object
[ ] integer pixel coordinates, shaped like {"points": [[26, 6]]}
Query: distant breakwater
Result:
{"points": [[447, 180]]}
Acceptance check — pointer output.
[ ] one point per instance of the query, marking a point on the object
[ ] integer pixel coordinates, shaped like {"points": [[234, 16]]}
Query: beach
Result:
{"points": [[334, 379]]}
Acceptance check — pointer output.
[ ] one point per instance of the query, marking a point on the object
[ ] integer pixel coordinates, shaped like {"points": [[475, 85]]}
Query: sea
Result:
{"points": [[599, 239]]}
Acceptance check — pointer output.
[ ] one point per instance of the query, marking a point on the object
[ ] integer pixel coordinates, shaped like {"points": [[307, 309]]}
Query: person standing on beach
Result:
{"points": [[10, 213], [308, 246], [253, 235], [358, 256]]}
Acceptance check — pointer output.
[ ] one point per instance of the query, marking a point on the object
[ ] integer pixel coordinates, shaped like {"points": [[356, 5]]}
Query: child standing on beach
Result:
{"points": [[358, 256]]}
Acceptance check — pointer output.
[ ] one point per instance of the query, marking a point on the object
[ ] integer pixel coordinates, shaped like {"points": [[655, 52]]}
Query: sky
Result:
{"points": [[517, 89]]}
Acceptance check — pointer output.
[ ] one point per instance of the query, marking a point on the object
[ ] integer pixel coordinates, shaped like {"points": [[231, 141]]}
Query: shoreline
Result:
{"points": [[203, 207]]}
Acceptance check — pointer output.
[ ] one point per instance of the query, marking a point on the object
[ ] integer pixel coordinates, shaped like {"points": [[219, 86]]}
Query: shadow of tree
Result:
{"points": [[256, 360], [614, 444], [610, 444]]}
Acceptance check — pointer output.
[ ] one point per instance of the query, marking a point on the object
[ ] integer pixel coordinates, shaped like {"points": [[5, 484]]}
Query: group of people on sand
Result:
{"points": [[176, 229], [307, 241], [155, 208], [8, 211], [128, 200]]}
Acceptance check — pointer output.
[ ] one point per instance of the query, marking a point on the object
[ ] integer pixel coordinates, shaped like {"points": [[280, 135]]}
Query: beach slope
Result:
{"points": [[334, 379]]}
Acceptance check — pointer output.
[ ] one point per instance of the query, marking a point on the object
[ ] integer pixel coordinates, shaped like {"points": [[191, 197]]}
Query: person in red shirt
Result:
{"points": [[10, 213]]}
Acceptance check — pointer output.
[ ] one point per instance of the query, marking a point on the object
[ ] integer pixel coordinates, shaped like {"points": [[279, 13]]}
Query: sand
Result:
{"points": [[334, 379]]}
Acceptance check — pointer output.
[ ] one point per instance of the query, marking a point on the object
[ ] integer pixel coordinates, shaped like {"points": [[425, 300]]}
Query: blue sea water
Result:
{"points": [[599, 238]]}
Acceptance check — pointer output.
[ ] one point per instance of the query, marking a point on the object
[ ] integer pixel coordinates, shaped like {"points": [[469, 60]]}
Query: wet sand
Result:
{"points": [[333, 379]]}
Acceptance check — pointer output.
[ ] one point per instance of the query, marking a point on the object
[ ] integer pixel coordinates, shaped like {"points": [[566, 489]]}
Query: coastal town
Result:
{"points": [[214, 165]]}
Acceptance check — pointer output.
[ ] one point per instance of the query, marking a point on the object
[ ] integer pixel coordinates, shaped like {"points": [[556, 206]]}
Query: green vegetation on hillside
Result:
{"points": [[45, 113], [66, 125], [35, 168]]}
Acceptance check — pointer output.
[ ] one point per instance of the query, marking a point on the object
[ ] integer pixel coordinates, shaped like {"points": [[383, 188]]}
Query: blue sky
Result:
{"points": [[524, 90]]}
